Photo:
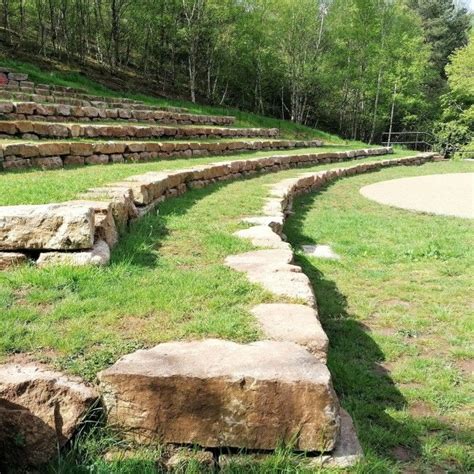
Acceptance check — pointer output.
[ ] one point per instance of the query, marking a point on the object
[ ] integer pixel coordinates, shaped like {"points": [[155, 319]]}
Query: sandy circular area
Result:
{"points": [[445, 194]]}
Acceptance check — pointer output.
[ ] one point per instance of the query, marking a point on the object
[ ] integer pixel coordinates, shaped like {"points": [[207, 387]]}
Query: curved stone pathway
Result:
{"points": [[444, 194]]}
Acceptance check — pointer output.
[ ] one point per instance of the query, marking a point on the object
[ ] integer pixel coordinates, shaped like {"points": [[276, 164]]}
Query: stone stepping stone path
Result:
{"points": [[443, 194]]}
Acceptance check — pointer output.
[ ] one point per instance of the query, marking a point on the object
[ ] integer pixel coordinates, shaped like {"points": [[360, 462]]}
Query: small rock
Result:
{"points": [[181, 458], [320, 251], [12, 259]]}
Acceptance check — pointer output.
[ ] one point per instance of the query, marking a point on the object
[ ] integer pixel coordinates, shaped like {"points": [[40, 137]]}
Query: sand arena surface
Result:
{"points": [[444, 194]]}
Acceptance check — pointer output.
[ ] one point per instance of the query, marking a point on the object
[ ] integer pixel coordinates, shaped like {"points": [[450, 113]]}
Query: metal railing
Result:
{"points": [[416, 140], [422, 141]]}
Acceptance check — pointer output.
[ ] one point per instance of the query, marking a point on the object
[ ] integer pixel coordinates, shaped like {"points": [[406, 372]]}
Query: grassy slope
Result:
{"points": [[244, 119], [397, 312], [166, 281]]}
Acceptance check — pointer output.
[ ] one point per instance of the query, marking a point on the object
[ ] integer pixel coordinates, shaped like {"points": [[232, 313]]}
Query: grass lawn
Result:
{"points": [[166, 281], [40, 187], [398, 310]]}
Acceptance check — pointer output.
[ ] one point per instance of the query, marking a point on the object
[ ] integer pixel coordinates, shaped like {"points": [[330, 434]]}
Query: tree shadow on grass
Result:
{"points": [[365, 389]]}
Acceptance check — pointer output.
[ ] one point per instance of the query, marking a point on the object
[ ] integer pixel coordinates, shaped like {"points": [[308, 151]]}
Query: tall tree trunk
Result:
{"points": [[392, 113], [376, 106]]}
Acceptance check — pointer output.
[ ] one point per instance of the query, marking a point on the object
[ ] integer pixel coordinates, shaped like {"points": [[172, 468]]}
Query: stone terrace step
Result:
{"points": [[216, 393], [32, 129], [112, 102], [56, 93], [63, 112], [102, 102], [53, 155]]}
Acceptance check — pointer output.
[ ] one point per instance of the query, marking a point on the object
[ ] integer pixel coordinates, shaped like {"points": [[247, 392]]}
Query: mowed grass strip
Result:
{"points": [[41, 187], [398, 311], [166, 281]]}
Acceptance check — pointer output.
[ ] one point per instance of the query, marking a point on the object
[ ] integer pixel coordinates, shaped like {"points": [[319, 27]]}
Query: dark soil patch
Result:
{"points": [[466, 366], [420, 409], [401, 453]]}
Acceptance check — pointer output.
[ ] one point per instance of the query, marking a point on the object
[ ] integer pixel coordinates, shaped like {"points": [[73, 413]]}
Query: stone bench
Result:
{"points": [[54, 155], [64, 112], [111, 207], [31, 129]]}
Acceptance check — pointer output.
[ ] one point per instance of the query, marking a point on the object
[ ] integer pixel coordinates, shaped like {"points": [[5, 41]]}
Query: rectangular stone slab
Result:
{"points": [[46, 227], [216, 393]]}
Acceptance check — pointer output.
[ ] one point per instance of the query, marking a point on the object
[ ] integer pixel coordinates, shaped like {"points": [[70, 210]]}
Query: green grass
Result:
{"points": [[394, 308], [40, 187], [398, 311], [166, 281], [71, 78]]}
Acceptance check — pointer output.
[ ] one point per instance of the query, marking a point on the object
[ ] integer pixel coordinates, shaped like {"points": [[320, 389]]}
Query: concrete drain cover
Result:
{"points": [[320, 251]]}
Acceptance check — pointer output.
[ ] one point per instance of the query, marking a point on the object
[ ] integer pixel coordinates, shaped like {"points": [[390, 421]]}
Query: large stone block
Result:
{"points": [[46, 227], [293, 323], [39, 411], [216, 393]]}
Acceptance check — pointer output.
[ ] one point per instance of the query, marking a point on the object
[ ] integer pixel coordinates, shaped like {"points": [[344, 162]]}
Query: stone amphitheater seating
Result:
{"points": [[251, 396]]}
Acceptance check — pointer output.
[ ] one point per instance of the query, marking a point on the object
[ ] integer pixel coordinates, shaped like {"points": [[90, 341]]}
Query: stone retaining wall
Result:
{"points": [[114, 205], [72, 99], [64, 112], [55, 93], [33, 130], [12, 79], [55, 155]]}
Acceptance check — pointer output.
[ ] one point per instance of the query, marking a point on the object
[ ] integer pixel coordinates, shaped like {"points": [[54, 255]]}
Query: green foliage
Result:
{"points": [[342, 65], [456, 128]]}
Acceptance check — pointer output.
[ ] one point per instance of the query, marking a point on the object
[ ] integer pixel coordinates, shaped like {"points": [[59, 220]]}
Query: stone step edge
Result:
{"points": [[113, 102], [39, 129], [267, 232], [115, 205], [27, 87], [14, 110], [55, 155]]}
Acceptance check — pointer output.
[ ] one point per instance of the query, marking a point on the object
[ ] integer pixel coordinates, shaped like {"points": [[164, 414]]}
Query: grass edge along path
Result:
{"points": [[398, 322]]}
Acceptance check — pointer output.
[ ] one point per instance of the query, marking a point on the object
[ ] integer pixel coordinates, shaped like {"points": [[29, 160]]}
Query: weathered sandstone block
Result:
{"points": [[46, 227], [99, 255], [293, 323], [262, 236], [11, 259], [271, 269], [218, 393], [39, 411]]}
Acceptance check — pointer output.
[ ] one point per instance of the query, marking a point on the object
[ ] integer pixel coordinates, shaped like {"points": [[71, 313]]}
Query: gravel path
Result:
{"points": [[445, 194]]}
